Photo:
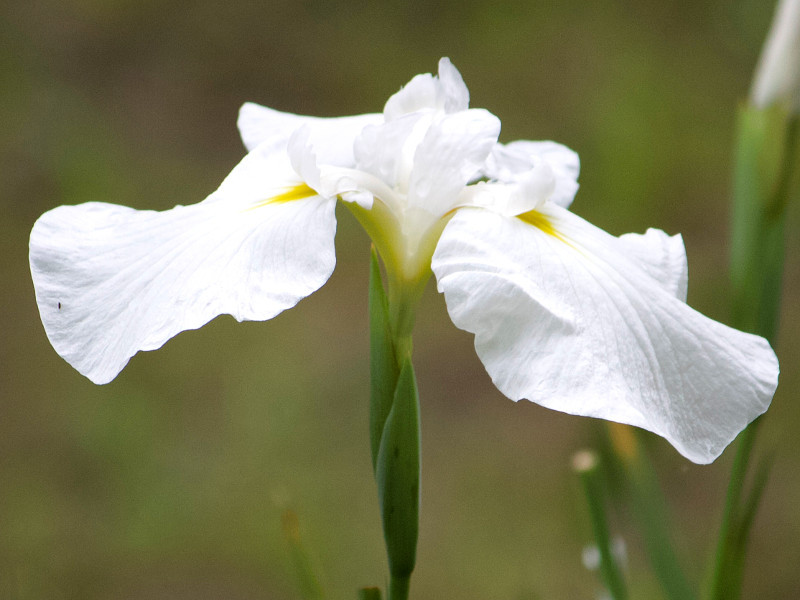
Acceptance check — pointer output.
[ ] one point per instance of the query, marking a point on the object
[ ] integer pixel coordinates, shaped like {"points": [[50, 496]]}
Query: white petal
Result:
{"points": [[662, 256], [304, 159], [509, 163], [511, 199], [111, 281], [454, 90], [563, 317], [332, 138], [453, 150], [777, 77], [387, 150], [447, 93]]}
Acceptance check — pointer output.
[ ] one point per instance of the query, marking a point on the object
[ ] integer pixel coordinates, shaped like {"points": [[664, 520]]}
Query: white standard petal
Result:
{"points": [[451, 153], [332, 138], [386, 151], [563, 316], [111, 281], [447, 93], [509, 163]]}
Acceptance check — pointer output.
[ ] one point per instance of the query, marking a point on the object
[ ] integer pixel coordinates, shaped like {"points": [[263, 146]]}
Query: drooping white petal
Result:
{"points": [[111, 281], [332, 138], [451, 153], [563, 316], [509, 163], [447, 93], [662, 256]]}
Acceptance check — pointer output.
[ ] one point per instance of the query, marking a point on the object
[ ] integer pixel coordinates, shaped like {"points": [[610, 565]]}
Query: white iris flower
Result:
{"points": [[564, 314]]}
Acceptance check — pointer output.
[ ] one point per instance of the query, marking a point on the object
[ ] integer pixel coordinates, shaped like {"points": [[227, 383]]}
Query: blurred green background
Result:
{"points": [[170, 482]]}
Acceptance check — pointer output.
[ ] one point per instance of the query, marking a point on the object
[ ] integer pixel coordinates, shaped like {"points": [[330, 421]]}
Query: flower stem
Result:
{"points": [[398, 588], [725, 583], [585, 464], [765, 179], [394, 424]]}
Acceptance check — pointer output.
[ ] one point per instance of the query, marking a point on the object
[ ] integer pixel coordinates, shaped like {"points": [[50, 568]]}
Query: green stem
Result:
{"points": [[394, 423], [765, 178], [398, 588], [723, 583], [586, 464]]}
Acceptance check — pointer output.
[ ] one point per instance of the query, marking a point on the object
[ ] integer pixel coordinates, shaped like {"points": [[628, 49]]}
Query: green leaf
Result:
{"points": [[731, 586], [384, 371], [397, 475], [765, 179]]}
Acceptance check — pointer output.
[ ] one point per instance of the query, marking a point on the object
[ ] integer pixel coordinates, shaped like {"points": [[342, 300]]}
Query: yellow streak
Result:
{"points": [[296, 192], [541, 222]]}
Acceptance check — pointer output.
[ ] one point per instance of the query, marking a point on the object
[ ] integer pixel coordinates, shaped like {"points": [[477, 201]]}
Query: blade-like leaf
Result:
{"points": [[383, 362], [397, 475]]}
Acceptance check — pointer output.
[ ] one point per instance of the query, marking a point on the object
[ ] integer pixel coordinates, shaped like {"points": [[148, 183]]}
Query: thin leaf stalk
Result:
{"points": [[649, 509], [585, 464], [765, 181]]}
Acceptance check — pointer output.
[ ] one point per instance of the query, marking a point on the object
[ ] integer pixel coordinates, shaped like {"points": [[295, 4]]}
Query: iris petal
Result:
{"points": [[510, 163], [451, 153], [332, 138], [567, 316], [111, 281]]}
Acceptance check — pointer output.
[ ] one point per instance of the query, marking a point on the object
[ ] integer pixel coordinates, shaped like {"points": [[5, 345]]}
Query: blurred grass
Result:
{"points": [[170, 482]]}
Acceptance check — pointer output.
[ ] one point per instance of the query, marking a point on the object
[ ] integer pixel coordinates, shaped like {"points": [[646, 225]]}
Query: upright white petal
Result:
{"points": [[111, 281], [447, 93], [451, 153], [510, 163], [332, 138], [454, 90], [564, 316], [386, 151]]}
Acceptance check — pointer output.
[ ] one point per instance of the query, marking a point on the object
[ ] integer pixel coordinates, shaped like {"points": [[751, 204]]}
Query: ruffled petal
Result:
{"points": [[509, 163], [511, 199], [662, 256], [386, 151], [332, 138], [564, 316], [111, 281], [447, 93], [451, 153]]}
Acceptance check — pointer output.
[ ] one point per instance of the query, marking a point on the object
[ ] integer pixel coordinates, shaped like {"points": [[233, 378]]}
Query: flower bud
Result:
{"points": [[777, 77]]}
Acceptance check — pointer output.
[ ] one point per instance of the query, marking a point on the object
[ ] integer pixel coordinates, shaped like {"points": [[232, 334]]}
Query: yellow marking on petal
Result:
{"points": [[542, 223], [290, 194]]}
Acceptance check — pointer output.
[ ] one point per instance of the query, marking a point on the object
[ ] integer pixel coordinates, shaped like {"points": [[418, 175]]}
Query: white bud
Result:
{"points": [[777, 77]]}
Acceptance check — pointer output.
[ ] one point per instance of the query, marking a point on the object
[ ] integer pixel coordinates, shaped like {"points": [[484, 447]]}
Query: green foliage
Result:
{"points": [[384, 370], [397, 475], [766, 180]]}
